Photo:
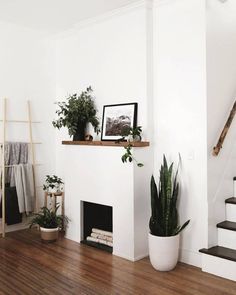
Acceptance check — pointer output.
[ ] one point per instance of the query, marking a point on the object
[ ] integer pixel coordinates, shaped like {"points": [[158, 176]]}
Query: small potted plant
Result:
{"points": [[164, 226], [132, 134], [76, 112], [53, 184], [50, 223]]}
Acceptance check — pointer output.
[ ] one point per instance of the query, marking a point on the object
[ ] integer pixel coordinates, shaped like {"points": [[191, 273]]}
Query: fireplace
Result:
{"points": [[97, 227], [99, 177]]}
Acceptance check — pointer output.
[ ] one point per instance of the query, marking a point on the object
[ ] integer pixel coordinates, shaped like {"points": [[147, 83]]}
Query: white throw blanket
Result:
{"points": [[24, 187]]}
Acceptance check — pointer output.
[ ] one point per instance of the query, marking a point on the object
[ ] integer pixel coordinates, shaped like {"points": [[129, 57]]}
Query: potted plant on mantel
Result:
{"points": [[164, 227], [76, 112], [50, 223]]}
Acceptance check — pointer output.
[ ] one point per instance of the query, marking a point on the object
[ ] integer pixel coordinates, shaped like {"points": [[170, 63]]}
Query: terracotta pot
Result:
{"points": [[49, 234]]}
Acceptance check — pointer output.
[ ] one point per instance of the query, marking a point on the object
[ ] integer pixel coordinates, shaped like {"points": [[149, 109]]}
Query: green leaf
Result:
{"points": [[164, 218]]}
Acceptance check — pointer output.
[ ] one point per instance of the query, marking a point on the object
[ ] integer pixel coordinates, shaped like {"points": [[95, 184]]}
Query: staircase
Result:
{"points": [[221, 260]]}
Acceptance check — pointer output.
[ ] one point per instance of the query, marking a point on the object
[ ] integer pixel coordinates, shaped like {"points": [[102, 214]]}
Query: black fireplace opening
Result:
{"points": [[97, 228]]}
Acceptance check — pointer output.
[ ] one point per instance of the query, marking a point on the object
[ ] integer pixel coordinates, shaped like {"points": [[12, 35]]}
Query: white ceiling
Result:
{"points": [[54, 15]]}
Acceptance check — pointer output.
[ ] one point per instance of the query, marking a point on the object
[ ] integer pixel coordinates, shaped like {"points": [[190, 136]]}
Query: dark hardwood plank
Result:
{"points": [[227, 225], [29, 266]]}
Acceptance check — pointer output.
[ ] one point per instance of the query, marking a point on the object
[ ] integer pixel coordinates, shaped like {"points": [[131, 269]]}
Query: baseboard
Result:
{"points": [[139, 257], [190, 257]]}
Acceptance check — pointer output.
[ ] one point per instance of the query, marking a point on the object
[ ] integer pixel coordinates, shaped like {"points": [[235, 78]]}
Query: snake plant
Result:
{"points": [[164, 218]]}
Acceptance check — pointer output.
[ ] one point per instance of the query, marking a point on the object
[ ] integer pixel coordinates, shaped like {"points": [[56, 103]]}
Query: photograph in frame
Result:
{"points": [[116, 118]]}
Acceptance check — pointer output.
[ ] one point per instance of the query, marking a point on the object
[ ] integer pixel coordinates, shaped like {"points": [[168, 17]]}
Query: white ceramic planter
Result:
{"points": [[163, 252], [130, 138]]}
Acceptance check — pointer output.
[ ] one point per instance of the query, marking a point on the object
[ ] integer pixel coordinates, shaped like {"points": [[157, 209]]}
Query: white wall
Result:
{"points": [[26, 74], [109, 55], [221, 90], [180, 111]]}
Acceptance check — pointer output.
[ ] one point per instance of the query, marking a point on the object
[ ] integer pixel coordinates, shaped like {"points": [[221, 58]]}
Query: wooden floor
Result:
{"points": [[27, 266]]}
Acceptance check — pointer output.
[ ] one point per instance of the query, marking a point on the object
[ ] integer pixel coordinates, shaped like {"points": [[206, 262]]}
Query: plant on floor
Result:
{"points": [[164, 218], [48, 218], [164, 225], [53, 184], [76, 112]]}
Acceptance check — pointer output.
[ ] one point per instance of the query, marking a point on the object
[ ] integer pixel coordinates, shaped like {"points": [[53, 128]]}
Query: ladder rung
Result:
{"points": [[25, 142], [20, 121], [10, 166]]}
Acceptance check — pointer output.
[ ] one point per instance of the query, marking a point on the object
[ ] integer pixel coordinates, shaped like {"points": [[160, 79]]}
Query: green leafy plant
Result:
{"points": [[128, 156], [52, 182], [164, 218], [49, 219], [134, 133], [76, 112]]}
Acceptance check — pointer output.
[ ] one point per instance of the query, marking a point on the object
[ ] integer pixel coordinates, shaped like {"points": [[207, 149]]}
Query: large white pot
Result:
{"points": [[163, 252]]}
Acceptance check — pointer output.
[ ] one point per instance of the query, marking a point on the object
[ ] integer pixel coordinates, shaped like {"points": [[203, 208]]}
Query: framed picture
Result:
{"points": [[116, 118]]}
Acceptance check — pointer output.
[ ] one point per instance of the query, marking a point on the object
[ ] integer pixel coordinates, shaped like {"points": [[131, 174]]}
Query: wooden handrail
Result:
{"points": [[224, 132]]}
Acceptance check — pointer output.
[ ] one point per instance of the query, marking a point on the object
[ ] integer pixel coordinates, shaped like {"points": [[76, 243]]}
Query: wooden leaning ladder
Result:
{"points": [[3, 166]]}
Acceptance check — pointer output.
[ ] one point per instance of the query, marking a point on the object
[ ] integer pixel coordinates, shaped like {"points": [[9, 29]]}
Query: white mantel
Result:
{"points": [[96, 174]]}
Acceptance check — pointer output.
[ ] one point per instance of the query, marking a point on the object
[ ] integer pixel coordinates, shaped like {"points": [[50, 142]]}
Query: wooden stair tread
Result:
{"points": [[220, 252], [231, 201], [227, 225]]}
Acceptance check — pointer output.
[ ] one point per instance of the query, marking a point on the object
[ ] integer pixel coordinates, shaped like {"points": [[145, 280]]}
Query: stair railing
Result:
{"points": [[224, 132]]}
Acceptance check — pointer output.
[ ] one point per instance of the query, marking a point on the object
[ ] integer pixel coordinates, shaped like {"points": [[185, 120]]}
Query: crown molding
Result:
{"points": [[141, 4]]}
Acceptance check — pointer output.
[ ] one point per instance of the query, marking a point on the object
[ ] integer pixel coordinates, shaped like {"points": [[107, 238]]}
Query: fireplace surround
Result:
{"points": [[95, 174]]}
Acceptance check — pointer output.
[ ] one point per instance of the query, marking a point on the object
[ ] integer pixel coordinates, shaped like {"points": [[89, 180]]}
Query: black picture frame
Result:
{"points": [[116, 117]]}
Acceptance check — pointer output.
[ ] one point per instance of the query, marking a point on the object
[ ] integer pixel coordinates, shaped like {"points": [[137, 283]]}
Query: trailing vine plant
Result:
{"points": [[133, 134], [128, 156]]}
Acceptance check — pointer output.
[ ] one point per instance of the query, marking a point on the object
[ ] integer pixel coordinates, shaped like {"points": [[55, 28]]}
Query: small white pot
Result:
{"points": [[56, 190], [136, 138], [163, 252]]}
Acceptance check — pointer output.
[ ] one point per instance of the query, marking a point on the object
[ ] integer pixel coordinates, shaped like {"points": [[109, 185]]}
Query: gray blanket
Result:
{"points": [[24, 187]]}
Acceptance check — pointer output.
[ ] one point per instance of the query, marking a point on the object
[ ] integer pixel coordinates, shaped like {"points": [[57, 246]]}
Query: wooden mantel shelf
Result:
{"points": [[106, 143]]}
